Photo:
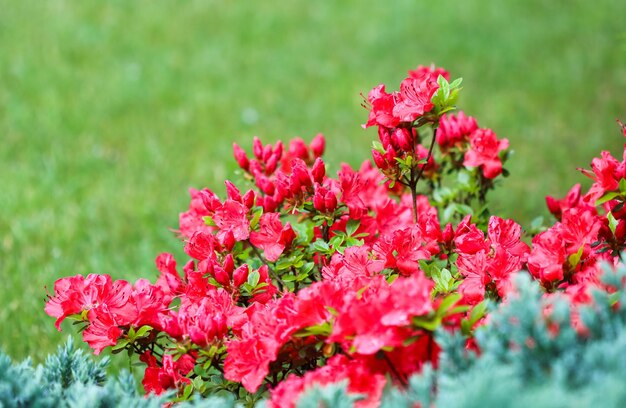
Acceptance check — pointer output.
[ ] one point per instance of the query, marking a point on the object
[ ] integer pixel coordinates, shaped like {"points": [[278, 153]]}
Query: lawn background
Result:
{"points": [[110, 111]]}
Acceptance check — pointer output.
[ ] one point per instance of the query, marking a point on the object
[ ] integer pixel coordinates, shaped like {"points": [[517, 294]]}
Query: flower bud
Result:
{"points": [[229, 241], [257, 148], [271, 164], [229, 264], [402, 139], [210, 201], [278, 150], [385, 137], [265, 184], [241, 157], [330, 201], [240, 276], [298, 149], [318, 171], [221, 276], [318, 200], [318, 145], [379, 159], [269, 204], [249, 198], [267, 152], [232, 191]]}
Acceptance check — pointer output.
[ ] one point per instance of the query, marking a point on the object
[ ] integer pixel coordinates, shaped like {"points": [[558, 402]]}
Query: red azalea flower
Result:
{"points": [[382, 108], [455, 130], [272, 237], [484, 152], [232, 217], [414, 98]]}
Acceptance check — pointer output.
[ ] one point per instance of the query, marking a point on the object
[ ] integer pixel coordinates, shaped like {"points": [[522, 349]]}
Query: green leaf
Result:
{"points": [[320, 246], [475, 315], [574, 259], [612, 222], [447, 303], [430, 323], [352, 226], [256, 216], [253, 278], [143, 331], [607, 197]]}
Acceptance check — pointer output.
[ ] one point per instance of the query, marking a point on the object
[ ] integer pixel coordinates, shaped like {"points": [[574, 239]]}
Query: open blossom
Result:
{"points": [[170, 375], [361, 381], [606, 172], [380, 316], [76, 294], [488, 263], [272, 237], [232, 218], [484, 152], [455, 129], [414, 97]]}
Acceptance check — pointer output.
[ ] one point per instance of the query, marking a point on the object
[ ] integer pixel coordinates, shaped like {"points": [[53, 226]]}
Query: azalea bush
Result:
{"points": [[298, 280]]}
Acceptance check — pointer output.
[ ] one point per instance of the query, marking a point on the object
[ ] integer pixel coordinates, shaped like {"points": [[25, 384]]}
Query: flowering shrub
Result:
{"points": [[297, 279]]}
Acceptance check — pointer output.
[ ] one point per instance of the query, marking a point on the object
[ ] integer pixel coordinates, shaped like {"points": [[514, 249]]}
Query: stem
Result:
{"points": [[415, 178], [273, 274], [395, 372]]}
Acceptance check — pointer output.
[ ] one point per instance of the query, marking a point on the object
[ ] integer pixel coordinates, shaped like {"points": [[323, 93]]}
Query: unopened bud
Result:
{"points": [[241, 157], [318, 145], [318, 171]]}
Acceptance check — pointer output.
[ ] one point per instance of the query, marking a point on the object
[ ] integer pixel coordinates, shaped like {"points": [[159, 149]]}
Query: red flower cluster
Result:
{"points": [[302, 279]]}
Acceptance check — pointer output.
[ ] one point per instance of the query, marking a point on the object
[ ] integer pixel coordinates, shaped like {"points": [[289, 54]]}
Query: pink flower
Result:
{"points": [[382, 108], [361, 381], [379, 317], [548, 255], [170, 375], [484, 152], [103, 330], [232, 217], [455, 130], [414, 98], [75, 294], [272, 237], [606, 173], [192, 220]]}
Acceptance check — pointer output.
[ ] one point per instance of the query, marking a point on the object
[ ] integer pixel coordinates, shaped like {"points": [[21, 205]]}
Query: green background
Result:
{"points": [[110, 111]]}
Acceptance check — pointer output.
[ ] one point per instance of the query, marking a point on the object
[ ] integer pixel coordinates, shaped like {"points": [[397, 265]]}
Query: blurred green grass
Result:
{"points": [[109, 111]]}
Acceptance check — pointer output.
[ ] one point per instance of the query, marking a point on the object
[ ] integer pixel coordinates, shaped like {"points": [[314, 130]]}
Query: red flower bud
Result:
{"points": [[330, 201], [319, 170], [402, 139], [318, 144], [229, 241], [255, 168], [229, 264], [265, 184], [232, 191], [257, 148], [221, 276], [249, 198], [267, 152], [379, 159], [278, 150], [385, 137], [241, 157], [210, 200], [298, 149], [318, 201], [271, 164], [240, 276], [287, 235], [269, 204]]}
